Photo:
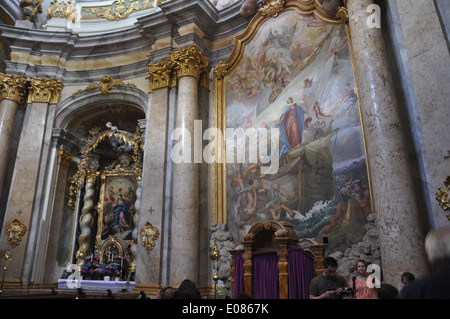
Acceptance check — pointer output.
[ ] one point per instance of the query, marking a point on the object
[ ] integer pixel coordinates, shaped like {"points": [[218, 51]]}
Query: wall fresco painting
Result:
{"points": [[296, 75]]}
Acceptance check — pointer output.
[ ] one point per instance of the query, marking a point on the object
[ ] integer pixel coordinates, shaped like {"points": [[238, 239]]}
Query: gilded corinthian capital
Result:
{"points": [[189, 62], [12, 87], [64, 157], [161, 75], [45, 90]]}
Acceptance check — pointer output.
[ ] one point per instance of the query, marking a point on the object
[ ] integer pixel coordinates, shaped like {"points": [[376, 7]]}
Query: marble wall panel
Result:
{"points": [[24, 184], [428, 61]]}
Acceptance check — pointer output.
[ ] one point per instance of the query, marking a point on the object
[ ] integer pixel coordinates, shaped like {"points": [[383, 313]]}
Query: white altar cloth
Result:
{"points": [[99, 285]]}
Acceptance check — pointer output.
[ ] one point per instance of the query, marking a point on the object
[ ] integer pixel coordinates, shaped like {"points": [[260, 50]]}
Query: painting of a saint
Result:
{"points": [[121, 221], [119, 198], [291, 126], [296, 75]]}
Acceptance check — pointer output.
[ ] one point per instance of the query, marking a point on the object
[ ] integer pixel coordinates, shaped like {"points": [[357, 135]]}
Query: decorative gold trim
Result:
{"points": [[271, 8], [45, 90], [189, 62], [91, 176], [15, 230], [12, 87], [342, 14], [64, 157], [361, 118], [7, 256], [221, 69], [185, 62], [443, 196], [160, 75], [83, 167], [109, 242], [105, 85], [149, 234], [100, 204], [117, 10], [61, 10]]}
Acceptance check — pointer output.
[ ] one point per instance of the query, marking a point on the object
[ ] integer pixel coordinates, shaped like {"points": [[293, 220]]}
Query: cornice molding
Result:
{"points": [[71, 57]]}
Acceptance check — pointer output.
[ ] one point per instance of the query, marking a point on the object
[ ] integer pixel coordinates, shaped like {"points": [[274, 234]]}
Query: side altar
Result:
{"points": [[106, 188], [98, 285]]}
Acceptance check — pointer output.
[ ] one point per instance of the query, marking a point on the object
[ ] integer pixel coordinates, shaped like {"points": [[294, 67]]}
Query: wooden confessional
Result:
{"points": [[276, 238]]}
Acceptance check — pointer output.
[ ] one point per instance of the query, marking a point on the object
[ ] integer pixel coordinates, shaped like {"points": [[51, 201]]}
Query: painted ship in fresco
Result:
{"points": [[297, 76]]}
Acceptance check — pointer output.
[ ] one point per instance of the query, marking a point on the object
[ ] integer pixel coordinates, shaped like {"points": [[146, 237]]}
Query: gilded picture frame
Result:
{"points": [[116, 206], [293, 53]]}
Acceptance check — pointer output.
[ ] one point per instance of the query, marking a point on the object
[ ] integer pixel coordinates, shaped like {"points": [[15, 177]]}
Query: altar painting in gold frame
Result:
{"points": [[116, 206], [292, 70]]}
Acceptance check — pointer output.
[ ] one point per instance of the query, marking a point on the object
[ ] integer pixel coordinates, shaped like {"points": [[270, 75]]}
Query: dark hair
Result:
{"points": [[386, 291], [167, 292], [360, 261], [187, 290], [408, 276], [242, 295], [329, 261]]}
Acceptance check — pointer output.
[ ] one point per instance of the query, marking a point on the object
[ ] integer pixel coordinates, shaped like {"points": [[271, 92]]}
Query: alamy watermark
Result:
{"points": [[374, 20], [74, 279], [373, 280], [249, 145]]}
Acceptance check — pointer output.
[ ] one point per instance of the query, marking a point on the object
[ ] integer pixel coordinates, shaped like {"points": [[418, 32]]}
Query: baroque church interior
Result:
{"points": [[145, 142]]}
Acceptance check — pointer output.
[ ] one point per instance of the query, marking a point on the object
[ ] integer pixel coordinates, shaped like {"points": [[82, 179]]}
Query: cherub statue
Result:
{"points": [[111, 127]]}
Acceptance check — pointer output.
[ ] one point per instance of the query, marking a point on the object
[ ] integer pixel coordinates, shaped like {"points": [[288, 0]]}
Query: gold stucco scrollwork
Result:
{"points": [[117, 10], [149, 234], [443, 196], [45, 90], [221, 69], [342, 14], [160, 75], [64, 157], [271, 8], [15, 230], [185, 62], [61, 10], [12, 87], [105, 85]]}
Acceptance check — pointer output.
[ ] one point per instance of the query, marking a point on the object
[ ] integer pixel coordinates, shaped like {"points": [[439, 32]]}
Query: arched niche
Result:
{"points": [[93, 104]]}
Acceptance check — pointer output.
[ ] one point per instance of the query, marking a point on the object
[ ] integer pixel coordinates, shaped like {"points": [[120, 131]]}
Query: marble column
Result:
{"points": [[400, 235], [188, 64], [12, 87], [23, 190], [153, 186]]}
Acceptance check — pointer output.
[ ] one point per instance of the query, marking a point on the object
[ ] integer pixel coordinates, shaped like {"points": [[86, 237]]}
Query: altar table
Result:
{"points": [[99, 285]]}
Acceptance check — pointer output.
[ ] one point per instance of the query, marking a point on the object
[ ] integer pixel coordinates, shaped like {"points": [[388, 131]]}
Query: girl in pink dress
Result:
{"points": [[359, 283]]}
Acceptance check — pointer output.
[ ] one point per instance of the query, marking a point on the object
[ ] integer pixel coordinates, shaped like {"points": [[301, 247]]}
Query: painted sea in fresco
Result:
{"points": [[296, 75]]}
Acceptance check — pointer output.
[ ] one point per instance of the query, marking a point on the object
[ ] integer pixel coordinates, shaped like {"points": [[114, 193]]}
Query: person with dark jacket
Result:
{"points": [[436, 284]]}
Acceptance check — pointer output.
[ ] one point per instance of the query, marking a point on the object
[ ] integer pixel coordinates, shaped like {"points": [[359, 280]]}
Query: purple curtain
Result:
{"points": [[265, 276], [238, 273], [301, 272]]}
